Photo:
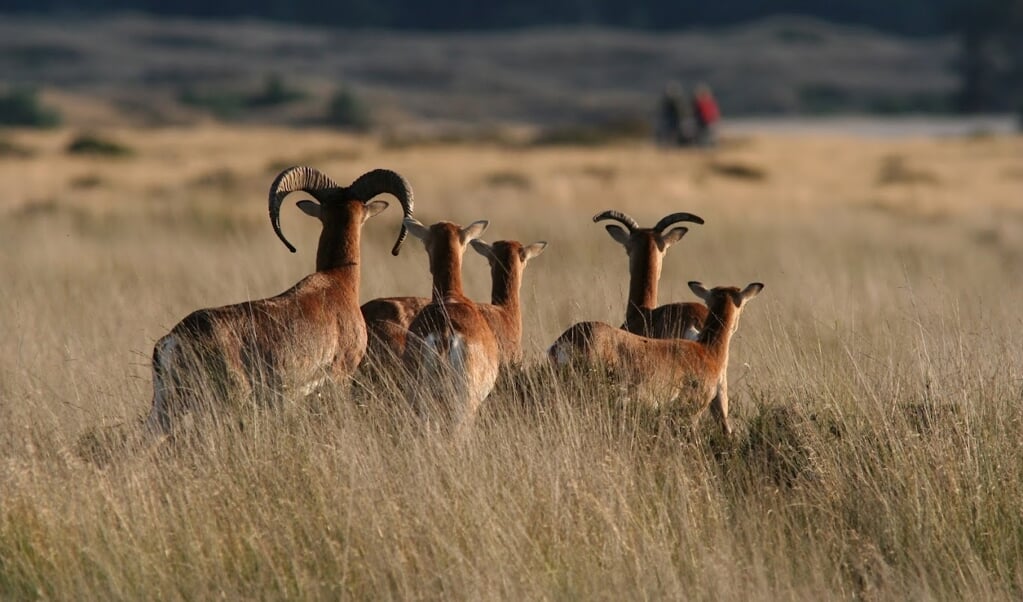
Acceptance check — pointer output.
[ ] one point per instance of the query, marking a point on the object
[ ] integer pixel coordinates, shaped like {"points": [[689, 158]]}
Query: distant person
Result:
{"points": [[705, 108], [686, 121], [674, 116]]}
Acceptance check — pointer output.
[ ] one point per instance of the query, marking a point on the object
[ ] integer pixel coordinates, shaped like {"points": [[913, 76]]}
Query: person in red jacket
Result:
{"points": [[705, 108]]}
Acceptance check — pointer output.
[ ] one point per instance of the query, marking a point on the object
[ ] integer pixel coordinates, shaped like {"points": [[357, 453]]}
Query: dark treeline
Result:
{"points": [[914, 17]]}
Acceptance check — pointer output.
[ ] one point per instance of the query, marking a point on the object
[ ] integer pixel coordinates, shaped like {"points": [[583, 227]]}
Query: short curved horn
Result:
{"points": [[625, 220], [675, 218], [372, 183], [306, 179]]}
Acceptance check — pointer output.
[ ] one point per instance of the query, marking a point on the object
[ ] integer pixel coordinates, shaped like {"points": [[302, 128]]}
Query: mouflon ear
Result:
{"points": [[474, 230], [416, 228], [530, 251], [700, 290], [671, 237], [621, 235], [752, 290], [373, 208], [310, 208], [483, 248]]}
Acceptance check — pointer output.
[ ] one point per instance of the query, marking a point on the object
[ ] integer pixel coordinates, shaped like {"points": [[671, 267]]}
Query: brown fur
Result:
{"points": [[451, 358], [646, 248], [388, 318], [276, 347], [387, 322], [690, 374], [507, 260]]}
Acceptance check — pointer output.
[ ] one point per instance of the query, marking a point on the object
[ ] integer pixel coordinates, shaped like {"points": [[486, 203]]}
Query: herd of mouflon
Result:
{"points": [[445, 350]]}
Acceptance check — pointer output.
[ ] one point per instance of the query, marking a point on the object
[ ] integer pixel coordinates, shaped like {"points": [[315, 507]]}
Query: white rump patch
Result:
{"points": [[457, 355], [166, 349], [561, 354], [444, 369], [435, 361], [168, 346], [431, 356]]}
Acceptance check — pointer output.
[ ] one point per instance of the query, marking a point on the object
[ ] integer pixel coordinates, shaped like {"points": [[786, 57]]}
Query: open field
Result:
{"points": [[877, 382]]}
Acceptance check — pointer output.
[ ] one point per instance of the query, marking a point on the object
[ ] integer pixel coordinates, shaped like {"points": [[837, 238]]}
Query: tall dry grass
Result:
{"points": [[877, 381]]}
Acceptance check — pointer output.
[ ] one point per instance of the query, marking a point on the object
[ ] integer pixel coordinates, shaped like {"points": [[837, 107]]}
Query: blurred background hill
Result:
{"points": [[391, 63]]}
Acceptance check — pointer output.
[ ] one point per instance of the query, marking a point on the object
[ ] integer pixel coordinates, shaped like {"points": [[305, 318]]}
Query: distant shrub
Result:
{"points": [[223, 104], [895, 170], [93, 144], [483, 135], [346, 110], [87, 181], [22, 108], [14, 150], [230, 104], [275, 92], [597, 134], [37, 208], [738, 171], [576, 135]]}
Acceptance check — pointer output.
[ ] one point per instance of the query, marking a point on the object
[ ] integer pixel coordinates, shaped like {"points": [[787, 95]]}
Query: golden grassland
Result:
{"points": [[877, 383]]}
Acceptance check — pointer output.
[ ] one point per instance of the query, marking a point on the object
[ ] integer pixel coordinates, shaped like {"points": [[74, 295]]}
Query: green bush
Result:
{"points": [[275, 92], [92, 144], [14, 150], [740, 171], [22, 108], [223, 104], [593, 134], [348, 111], [229, 104]]}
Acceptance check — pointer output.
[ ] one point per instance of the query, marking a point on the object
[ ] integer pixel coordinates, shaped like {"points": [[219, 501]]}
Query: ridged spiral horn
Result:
{"points": [[306, 179], [372, 183], [625, 220], [675, 218]]}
